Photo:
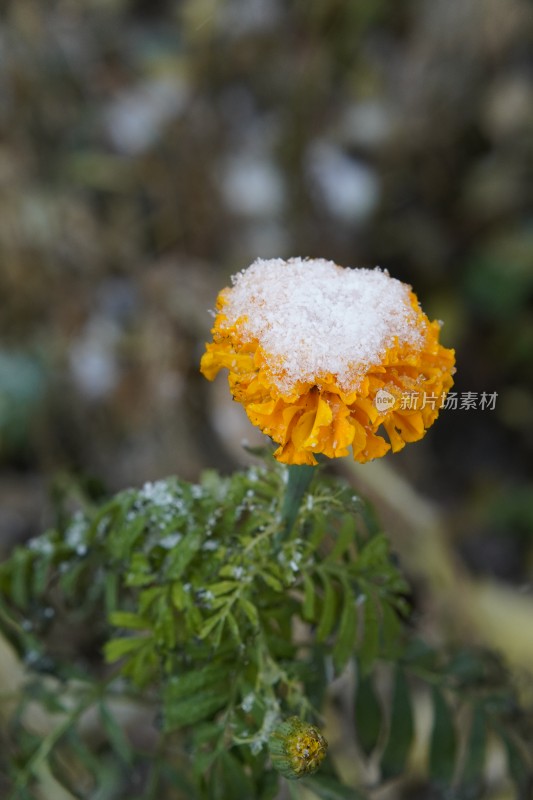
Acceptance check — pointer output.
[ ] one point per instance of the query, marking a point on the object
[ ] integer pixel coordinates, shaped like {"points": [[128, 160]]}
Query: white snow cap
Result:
{"points": [[312, 317]]}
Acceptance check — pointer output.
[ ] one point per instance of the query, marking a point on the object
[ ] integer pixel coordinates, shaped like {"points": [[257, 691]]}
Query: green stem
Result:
{"points": [[300, 476]]}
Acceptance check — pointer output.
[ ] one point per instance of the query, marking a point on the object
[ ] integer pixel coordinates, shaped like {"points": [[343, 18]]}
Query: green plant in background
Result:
{"points": [[224, 609]]}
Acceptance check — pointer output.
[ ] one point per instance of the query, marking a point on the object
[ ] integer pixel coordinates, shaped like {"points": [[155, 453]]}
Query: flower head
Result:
{"points": [[323, 357], [297, 748]]}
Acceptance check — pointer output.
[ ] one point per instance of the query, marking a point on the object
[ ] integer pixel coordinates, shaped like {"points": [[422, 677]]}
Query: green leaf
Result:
{"points": [[401, 730], [390, 632], [369, 647], [125, 537], [196, 680], [233, 626], [368, 715], [299, 477], [475, 755], [127, 619], [111, 591], [195, 695], [308, 607], [193, 708], [443, 744], [229, 779], [211, 623], [223, 587], [178, 595], [115, 734], [344, 538], [319, 528], [140, 572], [272, 581], [250, 611], [148, 598], [347, 632], [117, 648], [374, 554], [327, 615], [165, 628], [182, 554]]}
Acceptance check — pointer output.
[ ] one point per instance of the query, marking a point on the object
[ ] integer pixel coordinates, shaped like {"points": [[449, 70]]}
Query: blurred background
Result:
{"points": [[151, 148]]}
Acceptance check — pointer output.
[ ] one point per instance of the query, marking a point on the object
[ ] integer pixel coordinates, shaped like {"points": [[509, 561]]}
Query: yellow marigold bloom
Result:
{"points": [[324, 358]]}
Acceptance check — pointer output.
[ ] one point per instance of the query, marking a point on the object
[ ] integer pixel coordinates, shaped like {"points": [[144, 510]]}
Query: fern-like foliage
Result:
{"points": [[222, 619]]}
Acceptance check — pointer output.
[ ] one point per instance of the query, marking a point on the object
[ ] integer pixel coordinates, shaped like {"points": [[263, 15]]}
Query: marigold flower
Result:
{"points": [[297, 748], [322, 358]]}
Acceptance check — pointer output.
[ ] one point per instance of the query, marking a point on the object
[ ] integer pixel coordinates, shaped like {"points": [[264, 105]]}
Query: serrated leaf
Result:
{"points": [[223, 587], [117, 648], [319, 528], [179, 558], [195, 695], [272, 581], [443, 743], [250, 611], [347, 632], [140, 572], [344, 538], [115, 734], [212, 621], [475, 754], [165, 628], [368, 715], [190, 710], [327, 614], [374, 554], [189, 683], [178, 595], [227, 571], [368, 649], [127, 619], [401, 729], [123, 541], [233, 626], [148, 597]]}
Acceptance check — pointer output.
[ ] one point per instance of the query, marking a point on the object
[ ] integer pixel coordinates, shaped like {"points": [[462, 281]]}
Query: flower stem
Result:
{"points": [[300, 476]]}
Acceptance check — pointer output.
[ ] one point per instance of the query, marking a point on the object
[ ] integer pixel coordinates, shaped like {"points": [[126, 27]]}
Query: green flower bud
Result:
{"points": [[297, 748]]}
